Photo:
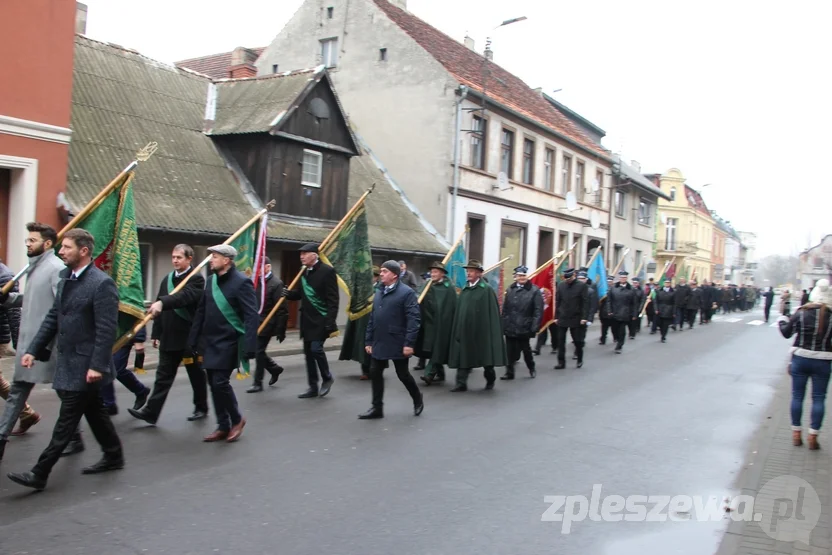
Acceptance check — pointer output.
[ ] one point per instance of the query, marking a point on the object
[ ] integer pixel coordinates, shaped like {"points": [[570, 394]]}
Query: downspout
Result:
{"points": [[463, 92]]}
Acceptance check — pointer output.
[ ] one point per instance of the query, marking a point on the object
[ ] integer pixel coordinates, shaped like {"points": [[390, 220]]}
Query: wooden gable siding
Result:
{"points": [[274, 166], [332, 130]]}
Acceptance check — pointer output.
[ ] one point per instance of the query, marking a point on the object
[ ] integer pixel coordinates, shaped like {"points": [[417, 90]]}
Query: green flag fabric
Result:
{"points": [[349, 253], [246, 245], [113, 225]]}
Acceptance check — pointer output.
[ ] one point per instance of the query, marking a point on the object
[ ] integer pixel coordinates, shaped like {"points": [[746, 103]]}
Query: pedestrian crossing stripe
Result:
{"points": [[733, 320], [756, 323]]}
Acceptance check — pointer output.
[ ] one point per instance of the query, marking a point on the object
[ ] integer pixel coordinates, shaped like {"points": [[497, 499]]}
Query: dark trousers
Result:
{"points": [[264, 361], [578, 334], [433, 370], [315, 362], [664, 324], [225, 402], [463, 373], [634, 326], [127, 378], [165, 375], [619, 332], [74, 405], [767, 311], [377, 368], [514, 347], [690, 316], [541, 338], [679, 317], [607, 325]]}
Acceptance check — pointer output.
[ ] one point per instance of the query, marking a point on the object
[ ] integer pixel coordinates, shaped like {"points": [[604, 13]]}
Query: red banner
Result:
{"points": [[544, 278]]}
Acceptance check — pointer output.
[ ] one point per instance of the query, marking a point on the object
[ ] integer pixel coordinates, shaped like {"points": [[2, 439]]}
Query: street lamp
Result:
{"points": [[510, 21]]}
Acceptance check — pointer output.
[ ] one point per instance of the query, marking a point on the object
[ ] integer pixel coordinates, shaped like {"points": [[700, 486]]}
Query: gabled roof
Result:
{"points": [[122, 100], [215, 66], [636, 178], [466, 66], [573, 115], [696, 201]]}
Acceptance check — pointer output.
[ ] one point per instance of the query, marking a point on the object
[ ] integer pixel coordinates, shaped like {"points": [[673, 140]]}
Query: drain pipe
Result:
{"points": [[463, 92]]}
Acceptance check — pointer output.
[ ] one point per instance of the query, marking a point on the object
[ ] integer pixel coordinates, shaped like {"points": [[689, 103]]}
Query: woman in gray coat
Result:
{"points": [[41, 287]]}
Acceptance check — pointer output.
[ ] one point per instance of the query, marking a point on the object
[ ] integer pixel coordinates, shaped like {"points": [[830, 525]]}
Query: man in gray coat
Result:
{"points": [[41, 287], [82, 322]]}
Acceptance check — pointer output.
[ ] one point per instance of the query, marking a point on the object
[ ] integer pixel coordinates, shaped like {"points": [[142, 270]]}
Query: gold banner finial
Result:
{"points": [[147, 151]]}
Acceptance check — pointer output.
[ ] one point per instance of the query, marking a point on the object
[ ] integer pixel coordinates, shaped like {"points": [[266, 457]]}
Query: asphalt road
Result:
{"points": [[468, 476]]}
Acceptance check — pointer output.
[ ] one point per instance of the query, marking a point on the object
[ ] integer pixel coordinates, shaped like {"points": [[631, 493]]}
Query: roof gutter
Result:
{"points": [[463, 93], [515, 113]]}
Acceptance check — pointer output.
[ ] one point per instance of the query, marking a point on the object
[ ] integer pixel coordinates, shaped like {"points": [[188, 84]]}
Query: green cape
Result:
{"points": [[477, 334], [438, 309], [352, 346]]}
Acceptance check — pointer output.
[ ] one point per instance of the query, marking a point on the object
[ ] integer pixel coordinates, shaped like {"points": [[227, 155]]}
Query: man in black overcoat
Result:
{"points": [[571, 315], [276, 327]]}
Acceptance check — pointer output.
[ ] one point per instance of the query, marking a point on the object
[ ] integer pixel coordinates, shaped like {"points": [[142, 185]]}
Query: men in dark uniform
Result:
{"points": [[682, 293], [769, 298], [352, 347], [522, 314], [665, 301], [391, 335], [225, 332], [437, 317], [635, 325], [622, 308], [476, 336], [607, 323], [592, 291], [694, 304], [318, 293], [174, 313], [275, 328], [571, 314]]}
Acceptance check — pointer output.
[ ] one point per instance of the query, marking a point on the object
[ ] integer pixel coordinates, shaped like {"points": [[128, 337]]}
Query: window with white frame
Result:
{"points": [[645, 208], [329, 52], [478, 133], [670, 234], [619, 203], [313, 163], [549, 170], [579, 180], [566, 170]]}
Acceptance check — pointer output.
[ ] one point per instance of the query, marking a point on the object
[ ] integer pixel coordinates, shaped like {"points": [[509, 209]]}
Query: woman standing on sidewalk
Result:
{"points": [[811, 358]]}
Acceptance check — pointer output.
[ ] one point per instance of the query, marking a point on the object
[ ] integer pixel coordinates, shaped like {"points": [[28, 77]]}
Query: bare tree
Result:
{"points": [[778, 269]]}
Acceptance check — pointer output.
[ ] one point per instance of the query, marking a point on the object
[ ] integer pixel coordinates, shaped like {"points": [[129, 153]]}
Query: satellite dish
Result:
{"points": [[595, 220], [595, 185], [319, 108], [571, 201], [502, 181], [664, 218]]}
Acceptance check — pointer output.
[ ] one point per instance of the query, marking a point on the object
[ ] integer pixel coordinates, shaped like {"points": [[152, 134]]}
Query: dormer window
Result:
{"points": [[672, 194]]}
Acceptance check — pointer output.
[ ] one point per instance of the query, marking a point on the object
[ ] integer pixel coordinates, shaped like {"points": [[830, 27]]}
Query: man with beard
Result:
{"points": [[437, 315], [476, 335], [174, 313], [41, 287], [622, 308], [571, 315], [275, 328], [665, 301], [225, 333], [682, 293], [607, 323], [694, 304], [635, 325], [522, 314], [82, 322]]}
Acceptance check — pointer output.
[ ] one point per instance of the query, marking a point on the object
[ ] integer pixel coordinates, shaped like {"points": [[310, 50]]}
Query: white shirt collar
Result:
{"points": [[473, 284], [77, 273], [182, 273]]}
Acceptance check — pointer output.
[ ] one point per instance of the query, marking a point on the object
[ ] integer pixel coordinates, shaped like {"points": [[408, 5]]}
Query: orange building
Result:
{"points": [[37, 45]]}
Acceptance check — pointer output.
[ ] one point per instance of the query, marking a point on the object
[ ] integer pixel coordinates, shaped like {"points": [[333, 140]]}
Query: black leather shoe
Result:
{"points": [[536, 352], [507, 377], [275, 375], [618, 350], [489, 385], [142, 415], [580, 364], [112, 410], [532, 372], [141, 399], [427, 379], [256, 388], [418, 367], [308, 394], [459, 389], [560, 366], [75, 446], [419, 407], [28, 479], [371, 414], [104, 465], [197, 415], [574, 357], [325, 387]]}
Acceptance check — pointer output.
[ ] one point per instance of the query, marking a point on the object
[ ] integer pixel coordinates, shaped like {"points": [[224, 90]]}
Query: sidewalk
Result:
{"points": [[292, 345], [786, 507]]}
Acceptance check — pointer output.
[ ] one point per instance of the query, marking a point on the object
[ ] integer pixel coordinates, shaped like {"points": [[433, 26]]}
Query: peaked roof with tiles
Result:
{"points": [[215, 66], [466, 66], [122, 100]]}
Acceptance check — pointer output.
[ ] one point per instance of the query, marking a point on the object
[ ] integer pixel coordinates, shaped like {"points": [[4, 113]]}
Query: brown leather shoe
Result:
{"points": [[813, 442], [236, 431], [216, 435], [24, 425], [797, 441]]}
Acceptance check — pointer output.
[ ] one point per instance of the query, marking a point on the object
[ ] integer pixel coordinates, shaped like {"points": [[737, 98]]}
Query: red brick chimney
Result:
{"points": [[242, 63]]}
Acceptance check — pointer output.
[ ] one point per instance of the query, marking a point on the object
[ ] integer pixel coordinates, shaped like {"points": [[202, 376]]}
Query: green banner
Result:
{"points": [[113, 225], [349, 253], [246, 245]]}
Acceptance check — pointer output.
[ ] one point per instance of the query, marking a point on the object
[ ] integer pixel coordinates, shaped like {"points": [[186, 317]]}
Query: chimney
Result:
{"points": [[489, 54], [469, 43], [636, 166], [539, 90], [80, 18], [242, 63]]}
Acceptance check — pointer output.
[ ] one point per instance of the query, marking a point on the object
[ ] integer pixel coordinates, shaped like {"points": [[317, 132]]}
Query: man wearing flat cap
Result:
{"points": [[437, 309], [522, 315], [352, 348], [476, 335], [622, 307], [224, 331], [318, 293], [571, 315]]}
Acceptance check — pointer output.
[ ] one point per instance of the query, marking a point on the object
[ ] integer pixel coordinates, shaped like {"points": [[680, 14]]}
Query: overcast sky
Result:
{"points": [[736, 94]]}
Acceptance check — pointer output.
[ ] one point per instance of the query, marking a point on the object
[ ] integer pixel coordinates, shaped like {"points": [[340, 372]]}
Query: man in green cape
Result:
{"points": [[352, 347], [438, 309], [476, 335]]}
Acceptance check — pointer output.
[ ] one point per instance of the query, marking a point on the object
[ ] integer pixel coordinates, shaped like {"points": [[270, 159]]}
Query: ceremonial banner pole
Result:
{"points": [[593, 257], [635, 274], [500, 263], [321, 247], [650, 298], [444, 261], [620, 262], [141, 156], [124, 339]]}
